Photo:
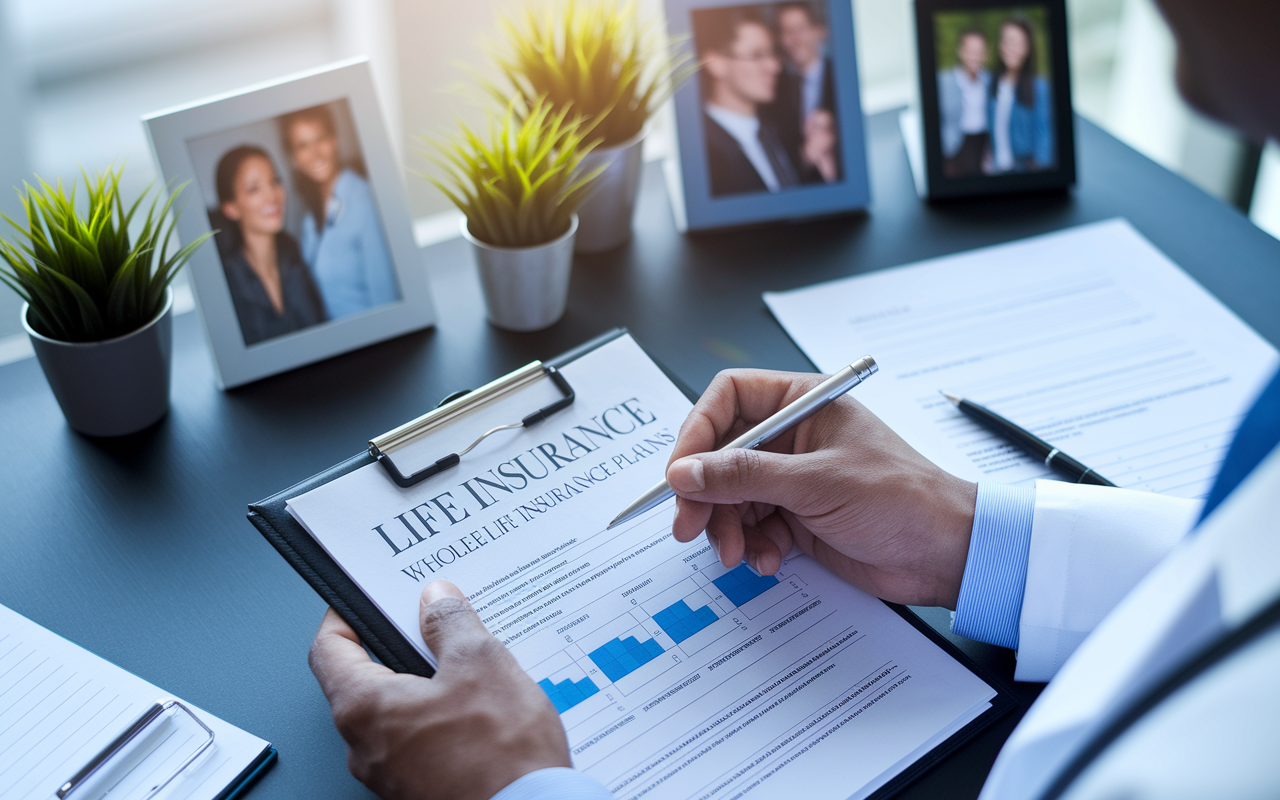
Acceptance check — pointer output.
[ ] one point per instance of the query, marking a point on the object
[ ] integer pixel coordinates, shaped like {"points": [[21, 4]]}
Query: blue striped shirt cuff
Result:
{"points": [[554, 783], [995, 573]]}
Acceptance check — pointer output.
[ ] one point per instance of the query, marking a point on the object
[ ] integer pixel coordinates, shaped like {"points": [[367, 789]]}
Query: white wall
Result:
{"points": [[1266, 193], [13, 156], [885, 35], [13, 99], [432, 39], [1147, 112]]}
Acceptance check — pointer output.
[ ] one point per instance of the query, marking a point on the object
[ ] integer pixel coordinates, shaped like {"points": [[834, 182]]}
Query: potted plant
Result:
{"points": [[603, 62], [519, 189], [97, 305]]}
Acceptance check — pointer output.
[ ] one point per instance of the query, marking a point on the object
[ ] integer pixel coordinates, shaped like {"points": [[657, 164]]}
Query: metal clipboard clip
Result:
{"points": [[458, 405], [135, 730]]}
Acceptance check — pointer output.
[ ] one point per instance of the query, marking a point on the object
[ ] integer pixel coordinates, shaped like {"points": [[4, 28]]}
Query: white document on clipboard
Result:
{"points": [[61, 705], [673, 676], [1091, 338]]}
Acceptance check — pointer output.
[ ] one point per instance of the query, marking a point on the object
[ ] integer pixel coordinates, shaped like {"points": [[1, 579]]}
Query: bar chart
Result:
{"points": [[629, 650], [680, 622], [568, 693], [742, 585], [619, 658]]}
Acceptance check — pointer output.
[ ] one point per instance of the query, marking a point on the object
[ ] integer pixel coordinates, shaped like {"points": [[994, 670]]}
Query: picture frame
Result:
{"points": [[1023, 136], [735, 124], [314, 252]]}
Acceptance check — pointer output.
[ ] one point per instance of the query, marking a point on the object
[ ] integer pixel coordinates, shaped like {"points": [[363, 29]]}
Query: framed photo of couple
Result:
{"points": [[770, 127], [995, 97], [313, 252]]}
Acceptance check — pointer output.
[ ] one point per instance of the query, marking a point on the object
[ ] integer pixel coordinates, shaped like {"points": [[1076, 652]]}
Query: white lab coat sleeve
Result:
{"points": [[1089, 546]]}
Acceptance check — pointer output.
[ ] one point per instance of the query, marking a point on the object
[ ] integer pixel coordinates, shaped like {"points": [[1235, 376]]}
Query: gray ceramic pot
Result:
{"points": [[113, 387], [606, 216], [525, 288]]}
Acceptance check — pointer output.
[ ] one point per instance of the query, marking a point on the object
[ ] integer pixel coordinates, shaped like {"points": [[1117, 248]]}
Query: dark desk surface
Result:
{"points": [[138, 548]]}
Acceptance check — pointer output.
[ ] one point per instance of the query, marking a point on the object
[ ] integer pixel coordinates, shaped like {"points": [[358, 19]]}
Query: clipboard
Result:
{"points": [[80, 741], [305, 555], [117, 749], [313, 563]]}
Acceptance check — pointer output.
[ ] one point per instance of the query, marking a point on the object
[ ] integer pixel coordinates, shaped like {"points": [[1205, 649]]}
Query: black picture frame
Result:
{"points": [[937, 184]]}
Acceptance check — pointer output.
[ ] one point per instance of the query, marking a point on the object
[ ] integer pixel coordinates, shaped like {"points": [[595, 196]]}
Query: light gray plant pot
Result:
{"points": [[113, 387], [525, 288], [606, 216]]}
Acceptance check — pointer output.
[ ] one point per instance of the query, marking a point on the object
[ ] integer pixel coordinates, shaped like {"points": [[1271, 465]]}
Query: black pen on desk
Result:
{"points": [[1052, 456]]}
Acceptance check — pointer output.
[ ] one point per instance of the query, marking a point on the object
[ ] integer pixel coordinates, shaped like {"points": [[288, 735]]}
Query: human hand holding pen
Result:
{"points": [[841, 485]]}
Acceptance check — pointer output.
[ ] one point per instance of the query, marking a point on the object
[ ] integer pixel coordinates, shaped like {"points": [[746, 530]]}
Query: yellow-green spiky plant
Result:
{"points": [[598, 58], [82, 276], [519, 186]]}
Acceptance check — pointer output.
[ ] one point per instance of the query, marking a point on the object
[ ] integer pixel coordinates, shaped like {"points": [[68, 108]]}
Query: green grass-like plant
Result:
{"points": [[83, 278], [598, 58], [519, 186]]}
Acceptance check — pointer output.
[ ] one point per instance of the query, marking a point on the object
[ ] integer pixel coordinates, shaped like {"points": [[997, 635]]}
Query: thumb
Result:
{"points": [[736, 475], [450, 626]]}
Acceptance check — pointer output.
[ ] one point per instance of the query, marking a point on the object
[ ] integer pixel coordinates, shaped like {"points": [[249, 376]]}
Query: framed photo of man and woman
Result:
{"points": [[313, 252], [771, 126], [995, 96]]}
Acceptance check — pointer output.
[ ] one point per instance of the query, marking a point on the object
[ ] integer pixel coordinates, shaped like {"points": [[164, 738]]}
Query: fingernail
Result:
{"points": [[438, 590], [686, 475], [715, 548], [753, 564]]}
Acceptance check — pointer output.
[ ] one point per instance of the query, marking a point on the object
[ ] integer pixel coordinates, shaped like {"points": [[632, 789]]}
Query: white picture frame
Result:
{"points": [[193, 143]]}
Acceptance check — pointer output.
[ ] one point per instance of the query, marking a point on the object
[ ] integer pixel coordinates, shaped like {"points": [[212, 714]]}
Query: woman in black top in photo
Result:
{"points": [[270, 284]]}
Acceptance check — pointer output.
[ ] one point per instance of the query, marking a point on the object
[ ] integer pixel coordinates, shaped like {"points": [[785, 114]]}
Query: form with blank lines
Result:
{"points": [[1089, 338], [60, 705]]}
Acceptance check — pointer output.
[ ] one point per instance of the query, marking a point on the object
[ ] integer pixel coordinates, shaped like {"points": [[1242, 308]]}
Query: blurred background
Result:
{"points": [[77, 75]]}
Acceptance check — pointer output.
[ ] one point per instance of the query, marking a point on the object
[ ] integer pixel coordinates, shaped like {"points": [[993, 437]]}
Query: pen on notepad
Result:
{"points": [[1052, 456], [805, 406]]}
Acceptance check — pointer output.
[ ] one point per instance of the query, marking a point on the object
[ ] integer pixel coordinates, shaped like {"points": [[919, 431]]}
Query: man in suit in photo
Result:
{"points": [[745, 152], [1156, 620], [805, 108]]}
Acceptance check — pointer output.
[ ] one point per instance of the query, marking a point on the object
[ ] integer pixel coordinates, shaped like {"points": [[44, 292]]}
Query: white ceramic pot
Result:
{"points": [[525, 288], [606, 216], [113, 387]]}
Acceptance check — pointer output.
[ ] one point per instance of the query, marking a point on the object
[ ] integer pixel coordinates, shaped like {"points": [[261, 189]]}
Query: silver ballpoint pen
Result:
{"points": [[808, 404]]}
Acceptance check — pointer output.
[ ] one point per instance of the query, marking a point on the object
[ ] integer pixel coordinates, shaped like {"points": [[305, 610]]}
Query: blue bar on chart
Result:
{"points": [[568, 693], [680, 622], [742, 584], [621, 657]]}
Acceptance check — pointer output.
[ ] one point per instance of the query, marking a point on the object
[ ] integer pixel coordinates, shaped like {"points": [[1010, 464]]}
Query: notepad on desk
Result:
{"points": [[1091, 338], [61, 707]]}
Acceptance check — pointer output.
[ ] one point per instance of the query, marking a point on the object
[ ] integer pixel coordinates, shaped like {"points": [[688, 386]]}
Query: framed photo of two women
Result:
{"points": [[995, 96], [313, 251]]}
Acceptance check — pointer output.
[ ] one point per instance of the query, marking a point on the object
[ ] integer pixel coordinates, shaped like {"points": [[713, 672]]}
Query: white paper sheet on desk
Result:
{"points": [[60, 705], [1091, 338], [672, 679]]}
